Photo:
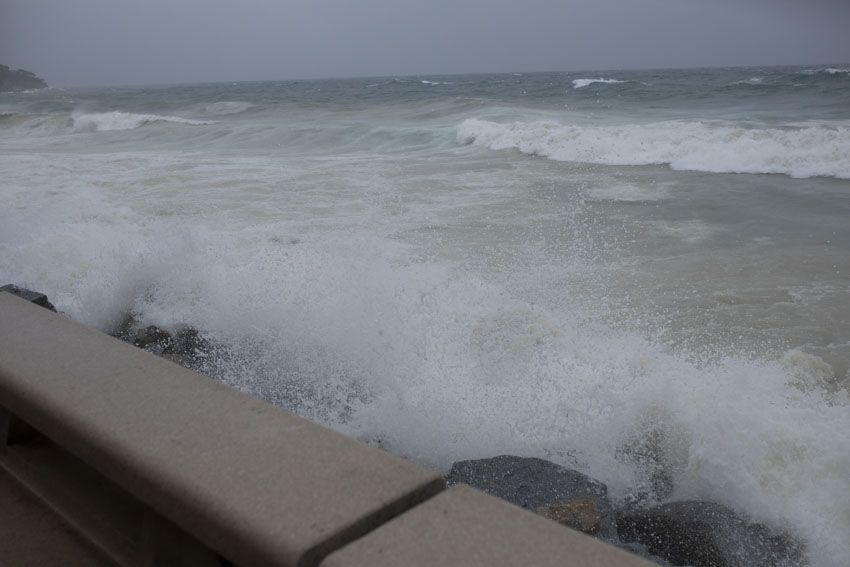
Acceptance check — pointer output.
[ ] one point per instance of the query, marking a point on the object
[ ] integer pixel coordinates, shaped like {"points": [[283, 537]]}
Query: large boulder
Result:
{"points": [[706, 534], [32, 296], [559, 493]]}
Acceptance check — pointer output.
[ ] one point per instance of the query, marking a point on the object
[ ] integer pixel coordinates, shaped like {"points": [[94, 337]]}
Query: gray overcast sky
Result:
{"points": [[100, 42]]}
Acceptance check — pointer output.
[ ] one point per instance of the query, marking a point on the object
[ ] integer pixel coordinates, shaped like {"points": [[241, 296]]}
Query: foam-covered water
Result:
{"points": [[458, 267]]}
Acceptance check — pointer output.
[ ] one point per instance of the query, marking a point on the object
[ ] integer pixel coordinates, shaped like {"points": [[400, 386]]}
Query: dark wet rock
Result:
{"points": [[191, 349], [185, 346], [191, 345], [125, 329], [535, 484], [154, 339], [33, 296], [706, 534], [19, 80]]}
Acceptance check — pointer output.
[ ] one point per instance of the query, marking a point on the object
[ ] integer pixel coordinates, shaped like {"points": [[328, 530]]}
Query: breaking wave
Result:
{"points": [[227, 107], [800, 151], [581, 83], [117, 120], [826, 71], [751, 81]]}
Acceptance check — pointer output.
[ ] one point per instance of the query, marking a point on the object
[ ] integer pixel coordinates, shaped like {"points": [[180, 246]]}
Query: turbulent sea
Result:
{"points": [[559, 265]]}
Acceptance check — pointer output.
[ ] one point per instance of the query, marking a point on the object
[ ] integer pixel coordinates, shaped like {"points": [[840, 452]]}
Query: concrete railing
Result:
{"points": [[153, 464]]}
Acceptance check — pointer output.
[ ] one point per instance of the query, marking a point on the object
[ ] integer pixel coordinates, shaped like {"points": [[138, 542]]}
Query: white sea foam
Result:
{"points": [[117, 120], [581, 83], [809, 151], [424, 82]]}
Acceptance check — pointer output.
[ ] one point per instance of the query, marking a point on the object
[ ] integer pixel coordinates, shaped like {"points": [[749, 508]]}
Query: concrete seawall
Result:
{"points": [[117, 456]]}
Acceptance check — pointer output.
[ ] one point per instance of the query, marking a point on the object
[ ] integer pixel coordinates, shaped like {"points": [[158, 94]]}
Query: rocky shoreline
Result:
{"points": [[697, 533], [688, 532]]}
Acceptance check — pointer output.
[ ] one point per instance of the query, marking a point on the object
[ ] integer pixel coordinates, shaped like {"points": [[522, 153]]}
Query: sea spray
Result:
{"points": [[447, 299]]}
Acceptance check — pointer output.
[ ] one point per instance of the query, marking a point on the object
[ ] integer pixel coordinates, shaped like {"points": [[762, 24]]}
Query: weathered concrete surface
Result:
{"points": [[465, 527], [122, 528], [258, 485], [32, 536]]}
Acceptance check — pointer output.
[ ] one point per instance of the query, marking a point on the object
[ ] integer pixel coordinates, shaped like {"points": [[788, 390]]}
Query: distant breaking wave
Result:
{"points": [[581, 83], [806, 151], [117, 120], [227, 107], [751, 81], [827, 71]]}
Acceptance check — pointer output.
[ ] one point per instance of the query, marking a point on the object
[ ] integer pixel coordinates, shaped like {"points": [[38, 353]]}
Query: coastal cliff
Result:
{"points": [[19, 80]]}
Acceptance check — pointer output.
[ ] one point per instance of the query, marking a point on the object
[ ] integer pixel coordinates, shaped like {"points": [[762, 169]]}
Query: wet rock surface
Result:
{"points": [[695, 533], [540, 486], [32, 296], [185, 346], [153, 339], [706, 534]]}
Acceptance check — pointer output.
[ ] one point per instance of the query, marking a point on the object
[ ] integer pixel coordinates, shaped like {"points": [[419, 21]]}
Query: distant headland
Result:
{"points": [[19, 80]]}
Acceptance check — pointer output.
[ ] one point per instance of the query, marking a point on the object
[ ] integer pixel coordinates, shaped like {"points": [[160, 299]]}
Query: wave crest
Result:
{"points": [[751, 81], [581, 83], [801, 151], [227, 107], [117, 120], [826, 71]]}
